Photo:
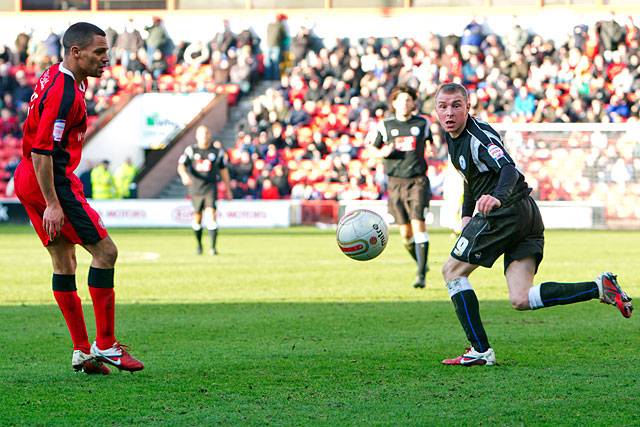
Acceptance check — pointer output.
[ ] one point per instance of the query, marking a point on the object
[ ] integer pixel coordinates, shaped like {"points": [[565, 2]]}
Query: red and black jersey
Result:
{"points": [[57, 120], [55, 126]]}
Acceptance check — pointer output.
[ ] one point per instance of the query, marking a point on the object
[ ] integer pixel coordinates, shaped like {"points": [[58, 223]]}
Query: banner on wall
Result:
{"points": [[164, 114], [178, 213], [278, 213]]}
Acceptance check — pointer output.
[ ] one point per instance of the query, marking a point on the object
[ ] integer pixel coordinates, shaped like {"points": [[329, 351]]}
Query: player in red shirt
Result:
{"points": [[53, 198]]}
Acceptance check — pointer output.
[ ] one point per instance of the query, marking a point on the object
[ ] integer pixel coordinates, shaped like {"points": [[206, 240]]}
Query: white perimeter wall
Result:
{"points": [[146, 121], [284, 213]]}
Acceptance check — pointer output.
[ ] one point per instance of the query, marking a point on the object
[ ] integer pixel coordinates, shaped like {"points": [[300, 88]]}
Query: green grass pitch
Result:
{"points": [[282, 329]]}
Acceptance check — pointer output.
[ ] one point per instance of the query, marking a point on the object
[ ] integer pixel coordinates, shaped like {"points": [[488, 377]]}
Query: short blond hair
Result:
{"points": [[453, 88]]}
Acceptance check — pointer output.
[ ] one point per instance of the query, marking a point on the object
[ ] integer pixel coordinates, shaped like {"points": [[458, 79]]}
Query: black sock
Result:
{"points": [[422, 253], [466, 305], [411, 248], [198, 234], [214, 237], [553, 293]]}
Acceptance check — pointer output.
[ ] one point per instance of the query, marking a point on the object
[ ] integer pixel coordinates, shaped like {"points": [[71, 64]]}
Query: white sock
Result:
{"points": [[421, 237], [458, 285], [535, 300]]}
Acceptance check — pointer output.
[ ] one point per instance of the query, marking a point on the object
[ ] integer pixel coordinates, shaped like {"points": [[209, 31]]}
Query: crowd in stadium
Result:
{"points": [[307, 137], [315, 125]]}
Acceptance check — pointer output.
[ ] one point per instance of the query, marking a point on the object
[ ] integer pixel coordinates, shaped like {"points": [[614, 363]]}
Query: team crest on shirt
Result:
{"points": [[395, 132], [44, 79], [495, 152], [415, 130], [463, 162], [58, 130]]}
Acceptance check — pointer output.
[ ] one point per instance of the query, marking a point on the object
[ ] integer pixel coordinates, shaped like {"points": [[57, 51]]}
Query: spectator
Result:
{"points": [[300, 44], [158, 38], [134, 64], [23, 90], [244, 169], [53, 46], [298, 116], [129, 41], [276, 34], [7, 81], [102, 182], [618, 110], [269, 191], [524, 105], [112, 38], [472, 37], [223, 40], [252, 191], [220, 67], [281, 181], [240, 72], [6, 56], [124, 179], [22, 46], [611, 34], [9, 124], [159, 65]]}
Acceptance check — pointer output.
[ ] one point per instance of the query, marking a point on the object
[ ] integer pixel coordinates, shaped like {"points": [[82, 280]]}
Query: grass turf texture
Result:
{"points": [[283, 329]]}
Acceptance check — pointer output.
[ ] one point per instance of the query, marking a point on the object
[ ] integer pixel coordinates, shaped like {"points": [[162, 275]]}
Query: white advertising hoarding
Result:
{"points": [[570, 215], [178, 213]]}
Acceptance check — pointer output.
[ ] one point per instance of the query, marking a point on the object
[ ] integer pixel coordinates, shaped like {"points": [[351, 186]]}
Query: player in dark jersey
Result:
{"points": [[507, 222], [401, 143], [199, 167], [54, 200]]}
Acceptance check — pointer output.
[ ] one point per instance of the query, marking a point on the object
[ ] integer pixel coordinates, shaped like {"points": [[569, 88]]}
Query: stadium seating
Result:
{"points": [[566, 82]]}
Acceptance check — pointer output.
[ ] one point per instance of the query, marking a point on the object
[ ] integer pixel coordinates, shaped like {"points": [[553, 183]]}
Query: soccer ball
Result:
{"points": [[362, 234]]}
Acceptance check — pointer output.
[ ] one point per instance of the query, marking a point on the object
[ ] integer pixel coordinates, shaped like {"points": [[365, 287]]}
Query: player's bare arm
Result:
{"points": [[384, 151], [53, 217], [184, 176]]}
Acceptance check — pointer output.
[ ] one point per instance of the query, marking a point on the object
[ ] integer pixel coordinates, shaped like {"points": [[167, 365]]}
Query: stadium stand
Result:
{"points": [[332, 98], [231, 66], [307, 135]]}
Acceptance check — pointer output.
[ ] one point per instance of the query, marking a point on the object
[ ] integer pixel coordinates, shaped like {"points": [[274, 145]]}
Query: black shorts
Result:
{"points": [[202, 201], [408, 198], [516, 231]]}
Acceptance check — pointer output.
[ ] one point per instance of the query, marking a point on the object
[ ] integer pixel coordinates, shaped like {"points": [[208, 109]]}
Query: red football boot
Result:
{"points": [[118, 356], [611, 293]]}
